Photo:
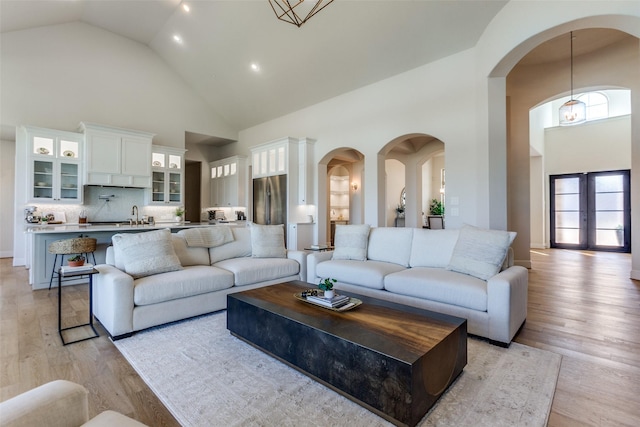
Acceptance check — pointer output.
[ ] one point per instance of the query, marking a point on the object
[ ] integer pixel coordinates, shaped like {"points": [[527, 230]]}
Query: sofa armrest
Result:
{"points": [[58, 403], [301, 257], [507, 302], [113, 299], [312, 262]]}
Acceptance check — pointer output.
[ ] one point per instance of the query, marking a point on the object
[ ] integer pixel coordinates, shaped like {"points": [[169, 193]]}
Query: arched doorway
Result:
{"points": [[543, 73], [340, 191], [421, 160]]}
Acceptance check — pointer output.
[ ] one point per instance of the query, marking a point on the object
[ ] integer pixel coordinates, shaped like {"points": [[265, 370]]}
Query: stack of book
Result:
{"points": [[335, 302], [66, 269], [318, 246]]}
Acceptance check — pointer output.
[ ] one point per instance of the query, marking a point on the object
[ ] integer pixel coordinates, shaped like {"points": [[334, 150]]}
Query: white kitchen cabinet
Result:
{"points": [[54, 167], [287, 156], [167, 176], [229, 182], [115, 156]]}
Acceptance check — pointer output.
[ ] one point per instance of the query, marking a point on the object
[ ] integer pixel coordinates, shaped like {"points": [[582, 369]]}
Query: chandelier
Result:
{"points": [[573, 111], [297, 12]]}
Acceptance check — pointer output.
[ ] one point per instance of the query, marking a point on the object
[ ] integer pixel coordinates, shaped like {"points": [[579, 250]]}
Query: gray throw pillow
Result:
{"points": [[144, 254], [479, 252], [351, 242], [267, 241]]}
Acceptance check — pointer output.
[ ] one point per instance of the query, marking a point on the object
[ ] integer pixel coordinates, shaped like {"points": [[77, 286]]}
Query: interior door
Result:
{"points": [[591, 211]]}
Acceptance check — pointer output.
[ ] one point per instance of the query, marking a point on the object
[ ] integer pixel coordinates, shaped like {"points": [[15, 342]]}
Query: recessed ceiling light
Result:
{"points": [[185, 7], [255, 67], [177, 38]]}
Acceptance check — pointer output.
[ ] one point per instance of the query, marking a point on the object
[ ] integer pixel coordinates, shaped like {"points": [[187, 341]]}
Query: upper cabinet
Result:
{"points": [[167, 184], [288, 156], [54, 164], [119, 157], [229, 182]]}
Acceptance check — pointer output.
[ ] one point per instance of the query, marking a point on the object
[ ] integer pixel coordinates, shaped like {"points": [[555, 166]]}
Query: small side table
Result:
{"points": [[69, 274]]}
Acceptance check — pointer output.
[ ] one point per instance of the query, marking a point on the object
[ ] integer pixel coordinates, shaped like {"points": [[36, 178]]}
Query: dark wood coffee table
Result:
{"points": [[393, 359]]}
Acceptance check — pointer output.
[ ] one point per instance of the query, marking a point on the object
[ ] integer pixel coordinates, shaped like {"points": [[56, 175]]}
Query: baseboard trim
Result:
{"points": [[526, 263], [635, 274], [6, 254]]}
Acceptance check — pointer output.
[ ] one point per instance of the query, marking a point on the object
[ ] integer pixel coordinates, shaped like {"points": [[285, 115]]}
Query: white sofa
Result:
{"points": [[58, 403], [185, 281], [467, 273]]}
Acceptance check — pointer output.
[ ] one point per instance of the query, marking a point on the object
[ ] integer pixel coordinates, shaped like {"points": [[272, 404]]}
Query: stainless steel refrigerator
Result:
{"points": [[270, 200]]}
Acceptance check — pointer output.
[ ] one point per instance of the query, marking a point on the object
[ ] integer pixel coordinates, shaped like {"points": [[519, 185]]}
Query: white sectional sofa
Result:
{"points": [[157, 277], [467, 273]]}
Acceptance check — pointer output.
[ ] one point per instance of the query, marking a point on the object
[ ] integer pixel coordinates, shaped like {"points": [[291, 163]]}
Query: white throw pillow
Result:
{"points": [[207, 237], [144, 254], [240, 247], [480, 252], [351, 242], [267, 241]]}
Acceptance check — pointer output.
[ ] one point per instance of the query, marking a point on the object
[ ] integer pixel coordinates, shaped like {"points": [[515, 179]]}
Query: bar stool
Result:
{"points": [[79, 245]]}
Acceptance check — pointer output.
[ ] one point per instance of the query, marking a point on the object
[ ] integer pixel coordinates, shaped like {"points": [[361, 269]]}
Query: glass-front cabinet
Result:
{"points": [[54, 166], [167, 186]]}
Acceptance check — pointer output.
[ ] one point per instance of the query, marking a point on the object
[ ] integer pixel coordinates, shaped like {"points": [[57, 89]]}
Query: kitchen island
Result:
{"points": [[40, 261]]}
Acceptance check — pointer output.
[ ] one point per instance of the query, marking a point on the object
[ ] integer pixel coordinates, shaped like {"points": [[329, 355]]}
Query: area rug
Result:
{"points": [[207, 377]]}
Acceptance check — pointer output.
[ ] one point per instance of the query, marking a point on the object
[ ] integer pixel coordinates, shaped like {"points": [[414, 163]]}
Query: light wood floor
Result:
{"points": [[582, 305]]}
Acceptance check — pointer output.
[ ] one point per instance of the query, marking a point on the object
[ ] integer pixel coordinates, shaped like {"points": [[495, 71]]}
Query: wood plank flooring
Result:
{"points": [[581, 305]]}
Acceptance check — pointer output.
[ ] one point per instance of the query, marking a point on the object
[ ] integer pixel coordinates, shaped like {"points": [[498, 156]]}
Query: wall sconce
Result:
{"points": [[354, 185]]}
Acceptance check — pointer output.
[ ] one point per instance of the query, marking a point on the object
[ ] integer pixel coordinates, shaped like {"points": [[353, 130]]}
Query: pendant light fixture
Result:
{"points": [[573, 111], [297, 12]]}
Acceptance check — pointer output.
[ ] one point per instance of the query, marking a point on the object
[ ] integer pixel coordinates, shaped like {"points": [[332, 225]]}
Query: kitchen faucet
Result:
{"points": [[134, 209]]}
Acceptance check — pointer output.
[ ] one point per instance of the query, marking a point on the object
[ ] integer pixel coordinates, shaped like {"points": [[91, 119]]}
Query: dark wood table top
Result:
{"points": [[400, 331]]}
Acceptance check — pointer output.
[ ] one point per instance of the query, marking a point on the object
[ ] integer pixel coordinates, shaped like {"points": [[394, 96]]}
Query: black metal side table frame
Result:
{"points": [[66, 275]]}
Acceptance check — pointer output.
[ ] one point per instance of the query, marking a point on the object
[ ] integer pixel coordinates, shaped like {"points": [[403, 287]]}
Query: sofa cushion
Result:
{"points": [[189, 255], [432, 248], [369, 274], [267, 241], [144, 254], [480, 252], [240, 247], [390, 244], [195, 280], [255, 270], [207, 237], [351, 242], [441, 285]]}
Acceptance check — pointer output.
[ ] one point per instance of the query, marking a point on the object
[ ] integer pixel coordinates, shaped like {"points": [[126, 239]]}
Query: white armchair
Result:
{"points": [[57, 404]]}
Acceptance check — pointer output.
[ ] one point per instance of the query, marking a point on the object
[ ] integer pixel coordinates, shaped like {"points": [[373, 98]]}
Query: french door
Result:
{"points": [[591, 211]]}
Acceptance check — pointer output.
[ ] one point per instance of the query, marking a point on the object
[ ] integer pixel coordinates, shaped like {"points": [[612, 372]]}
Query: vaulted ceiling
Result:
{"points": [[348, 45]]}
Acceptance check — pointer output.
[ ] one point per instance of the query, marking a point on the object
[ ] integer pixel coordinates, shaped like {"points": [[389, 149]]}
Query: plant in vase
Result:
{"points": [[436, 207], [76, 261], [327, 286], [179, 213]]}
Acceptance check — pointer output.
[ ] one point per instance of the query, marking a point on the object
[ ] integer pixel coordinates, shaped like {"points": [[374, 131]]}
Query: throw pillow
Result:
{"points": [[267, 241], [144, 254], [240, 247], [351, 242], [207, 237], [480, 252]]}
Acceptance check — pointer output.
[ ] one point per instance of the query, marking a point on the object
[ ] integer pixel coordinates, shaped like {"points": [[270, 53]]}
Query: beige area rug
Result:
{"points": [[207, 377]]}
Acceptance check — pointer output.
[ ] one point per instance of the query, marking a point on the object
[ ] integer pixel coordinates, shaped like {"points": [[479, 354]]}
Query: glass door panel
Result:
{"points": [[174, 188], [42, 179], [157, 186], [43, 146], [591, 211], [69, 180]]}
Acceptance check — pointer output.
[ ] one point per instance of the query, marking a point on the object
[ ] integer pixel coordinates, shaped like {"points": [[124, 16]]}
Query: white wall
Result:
{"points": [[57, 76], [7, 171]]}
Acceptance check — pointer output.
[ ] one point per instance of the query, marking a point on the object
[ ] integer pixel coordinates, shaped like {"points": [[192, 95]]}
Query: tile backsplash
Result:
{"points": [[117, 208]]}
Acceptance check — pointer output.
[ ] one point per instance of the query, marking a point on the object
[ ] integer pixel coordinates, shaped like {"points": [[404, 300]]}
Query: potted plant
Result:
{"points": [[436, 207], [400, 211], [179, 213], [76, 261], [327, 286]]}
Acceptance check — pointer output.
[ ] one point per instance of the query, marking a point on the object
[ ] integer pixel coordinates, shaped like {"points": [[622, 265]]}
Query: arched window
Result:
{"points": [[597, 105]]}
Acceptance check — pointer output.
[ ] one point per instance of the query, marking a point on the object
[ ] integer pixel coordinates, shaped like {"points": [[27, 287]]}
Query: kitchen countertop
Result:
{"points": [[75, 228]]}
